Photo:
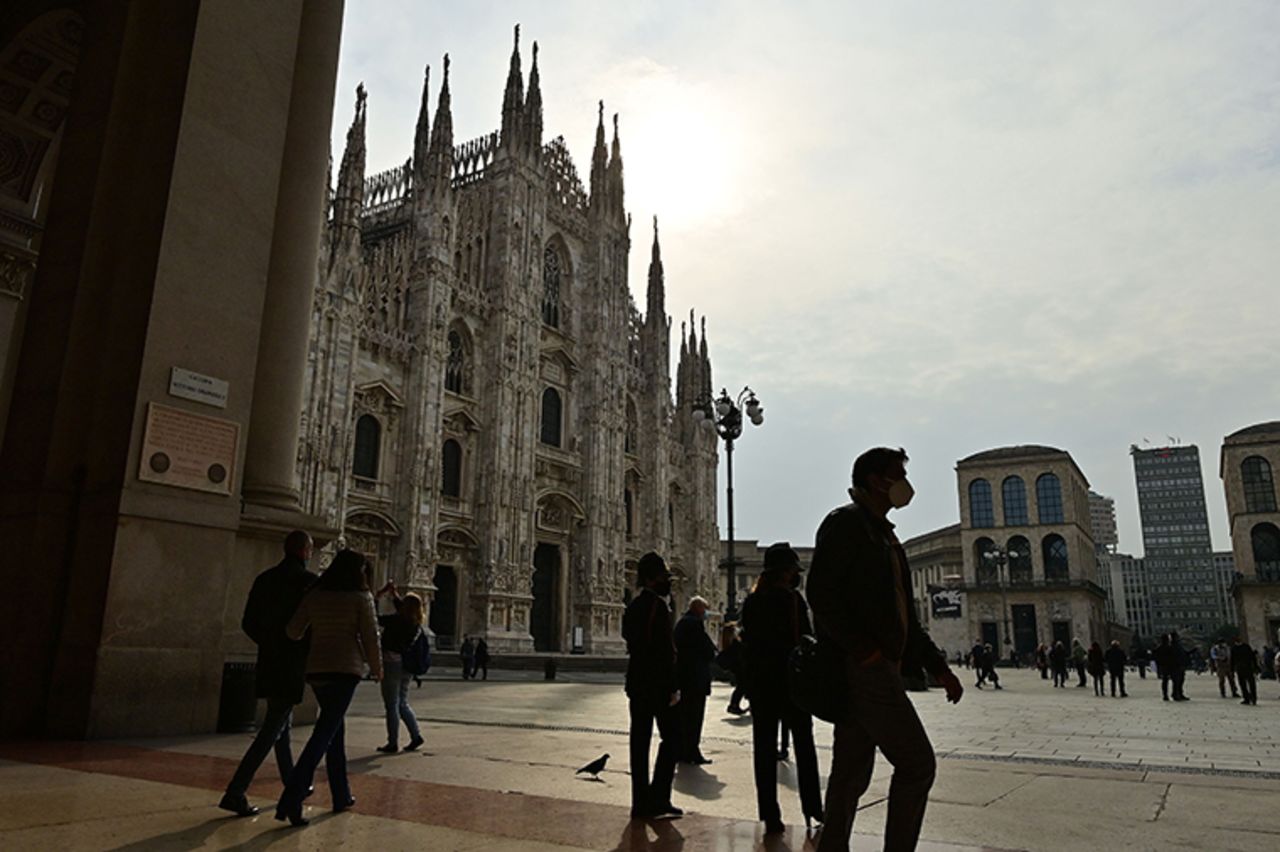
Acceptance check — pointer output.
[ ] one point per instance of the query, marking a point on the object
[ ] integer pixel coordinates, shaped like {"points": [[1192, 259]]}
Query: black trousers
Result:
{"points": [[1179, 677], [274, 733], [1060, 676], [692, 709], [647, 796], [880, 715], [1117, 678], [765, 717], [1080, 672], [1248, 687]]}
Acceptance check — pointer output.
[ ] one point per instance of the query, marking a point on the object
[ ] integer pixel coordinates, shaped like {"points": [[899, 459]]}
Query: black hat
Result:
{"points": [[781, 556]]}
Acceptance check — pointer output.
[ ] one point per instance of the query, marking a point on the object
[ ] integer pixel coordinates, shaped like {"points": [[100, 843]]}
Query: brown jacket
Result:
{"points": [[344, 632]]}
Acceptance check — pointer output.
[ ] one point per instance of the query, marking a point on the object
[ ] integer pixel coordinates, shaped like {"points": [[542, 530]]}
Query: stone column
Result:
{"points": [[270, 476]]}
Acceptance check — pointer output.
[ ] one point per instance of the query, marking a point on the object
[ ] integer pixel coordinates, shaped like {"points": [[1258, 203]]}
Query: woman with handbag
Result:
{"points": [[400, 630], [774, 617], [344, 637]]}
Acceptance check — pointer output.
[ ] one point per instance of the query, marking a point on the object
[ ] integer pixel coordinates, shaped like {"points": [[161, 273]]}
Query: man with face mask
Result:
{"points": [[859, 590], [652, 690]]}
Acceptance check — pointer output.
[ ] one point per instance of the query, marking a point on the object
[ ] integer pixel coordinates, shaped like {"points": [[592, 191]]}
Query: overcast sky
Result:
{"points": [[945, 226]]}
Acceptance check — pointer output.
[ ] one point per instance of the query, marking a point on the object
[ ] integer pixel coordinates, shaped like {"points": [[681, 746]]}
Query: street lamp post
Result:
{"points": [[1001, 557], [724, 417]]}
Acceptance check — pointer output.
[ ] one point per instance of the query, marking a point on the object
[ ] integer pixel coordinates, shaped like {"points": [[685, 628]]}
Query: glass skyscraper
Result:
{"points": [[1181, 578]]}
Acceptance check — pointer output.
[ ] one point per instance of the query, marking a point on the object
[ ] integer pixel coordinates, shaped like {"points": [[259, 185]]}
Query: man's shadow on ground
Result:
{"points": [[693, 780], [197, 836], [636, 837]]}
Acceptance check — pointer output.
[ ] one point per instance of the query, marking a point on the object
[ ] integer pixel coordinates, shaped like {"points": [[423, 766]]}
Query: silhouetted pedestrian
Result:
{"points": [[1097, 666], [281, 667], [694, 653], [1079, 658], [1181, 660], [1163, 657], [1142, 657], [988, 667], [774, 617], [1115, 660], [977, 654], [344, 639], [468, 654], [1058, 662], [481, 659], [1220, 661], [1244, 661], [399, 631], [1042, 661], [651, 688], [859, 588], [730, 659]]}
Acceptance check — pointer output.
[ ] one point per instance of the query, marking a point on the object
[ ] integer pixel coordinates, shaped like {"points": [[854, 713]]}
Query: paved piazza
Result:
{"points": [[1028, 767]]}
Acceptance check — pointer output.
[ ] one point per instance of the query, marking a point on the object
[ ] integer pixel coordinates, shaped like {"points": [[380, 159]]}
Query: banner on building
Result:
{"points": [[945, 603]]}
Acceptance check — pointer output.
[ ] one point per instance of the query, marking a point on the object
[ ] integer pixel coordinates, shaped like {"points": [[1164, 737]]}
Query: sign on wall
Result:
{"points": [[198, 387], [188, 450], [945, 603]]}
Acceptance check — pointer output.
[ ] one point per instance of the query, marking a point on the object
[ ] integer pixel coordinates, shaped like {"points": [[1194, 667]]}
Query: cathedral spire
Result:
{"points": [[657, 295], [533, 110], [599, 165], [704, 362], [349, 195], [513, 98], [422, 134], [439, 168], [615, 170]]}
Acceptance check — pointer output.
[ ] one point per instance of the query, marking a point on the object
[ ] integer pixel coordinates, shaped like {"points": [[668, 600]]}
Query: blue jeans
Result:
{"points": [[327, 740], [274, 732], [395, 697]]}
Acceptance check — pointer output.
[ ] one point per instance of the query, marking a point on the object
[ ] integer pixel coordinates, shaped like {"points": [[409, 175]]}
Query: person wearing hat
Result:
{"points": [[652, 690], [774, 617], [859, 587]]}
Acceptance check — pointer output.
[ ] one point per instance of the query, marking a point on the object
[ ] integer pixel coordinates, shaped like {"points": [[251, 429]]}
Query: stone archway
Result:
{"points": [[374, 535]]}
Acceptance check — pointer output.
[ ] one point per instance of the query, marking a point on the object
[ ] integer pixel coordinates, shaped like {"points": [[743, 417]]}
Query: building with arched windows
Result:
{"points": [[487, 412], [1023, 569], [1248, 463]]}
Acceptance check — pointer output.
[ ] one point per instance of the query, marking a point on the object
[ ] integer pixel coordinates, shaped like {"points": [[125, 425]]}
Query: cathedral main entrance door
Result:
{"points": [[444, 608], [542, 619]]}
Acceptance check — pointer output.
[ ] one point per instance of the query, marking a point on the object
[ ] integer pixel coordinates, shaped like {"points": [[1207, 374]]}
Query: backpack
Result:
{"points": [[416, 659]]}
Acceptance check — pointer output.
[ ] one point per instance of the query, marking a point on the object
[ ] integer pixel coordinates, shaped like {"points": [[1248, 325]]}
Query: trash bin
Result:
{"points": [[237, 704], [549, 670]]}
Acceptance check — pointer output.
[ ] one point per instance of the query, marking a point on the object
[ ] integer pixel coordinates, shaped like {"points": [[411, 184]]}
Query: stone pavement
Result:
{"points": [[1025, 768]]}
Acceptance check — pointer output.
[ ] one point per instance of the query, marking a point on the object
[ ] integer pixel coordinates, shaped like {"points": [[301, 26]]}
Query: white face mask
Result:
{"points": [[900, 493]]}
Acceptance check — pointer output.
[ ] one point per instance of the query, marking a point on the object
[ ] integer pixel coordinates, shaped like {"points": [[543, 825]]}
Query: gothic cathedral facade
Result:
{"points": [[487, 413]]}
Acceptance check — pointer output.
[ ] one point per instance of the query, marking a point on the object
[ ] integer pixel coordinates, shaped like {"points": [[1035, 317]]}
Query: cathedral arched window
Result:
{"points": [[628, 505], [364, 460], [455, 366], [451, 464], [551, 287], [981, 508], [551, 417], [1259, 486], [1056, 564], [1265, 538], [1014, 493], [1049, 498]]}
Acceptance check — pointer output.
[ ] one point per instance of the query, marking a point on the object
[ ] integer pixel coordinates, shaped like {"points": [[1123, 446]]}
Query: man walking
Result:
{"points": [[694, 653], [1220, 657], [1164, 664], [1115, 661], [281, 668], [1181, 659], [1244, 661], [860, 593], [651, 689]]}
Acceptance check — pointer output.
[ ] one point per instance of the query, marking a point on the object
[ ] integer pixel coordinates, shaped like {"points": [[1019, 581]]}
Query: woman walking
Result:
{"points": [[399, 631], [344, 637], [774, 617], [1097, 666]]}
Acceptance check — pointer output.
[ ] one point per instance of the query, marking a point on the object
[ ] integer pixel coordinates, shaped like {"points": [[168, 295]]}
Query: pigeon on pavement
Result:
{"points": [[595, 767]]}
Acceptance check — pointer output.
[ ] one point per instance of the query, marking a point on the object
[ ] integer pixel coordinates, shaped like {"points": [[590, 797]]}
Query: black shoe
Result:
{"points": [[774, 826], [414, 744], [783, 754], [1166, 698], [998, 686], [238, 805], [1246, 701], [737, 711], [293, 815], [339, 807], [640, 813], [389, 748], [701, 760], [667, 810]]}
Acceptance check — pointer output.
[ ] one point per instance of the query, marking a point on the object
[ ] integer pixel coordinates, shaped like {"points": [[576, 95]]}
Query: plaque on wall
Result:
{"points": [[188, 450]]}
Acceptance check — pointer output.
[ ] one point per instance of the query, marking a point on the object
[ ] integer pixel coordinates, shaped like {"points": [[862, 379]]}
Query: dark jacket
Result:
{"points": [[1116, 660], [852, 593], [1164, 659], [398, 633], [282, 662], [1243, 659], [1058, 658], [1096, 662], [773, 620], [651, 669], [694, 654]]}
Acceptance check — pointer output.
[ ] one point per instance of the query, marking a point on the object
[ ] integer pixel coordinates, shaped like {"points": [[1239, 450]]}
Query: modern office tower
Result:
{"points": [[1175, 535], [1137, 597], [1102, 520]]}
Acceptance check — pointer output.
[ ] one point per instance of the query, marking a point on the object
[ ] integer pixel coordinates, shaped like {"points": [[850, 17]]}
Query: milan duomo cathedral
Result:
{"points": [[487, 413]]}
